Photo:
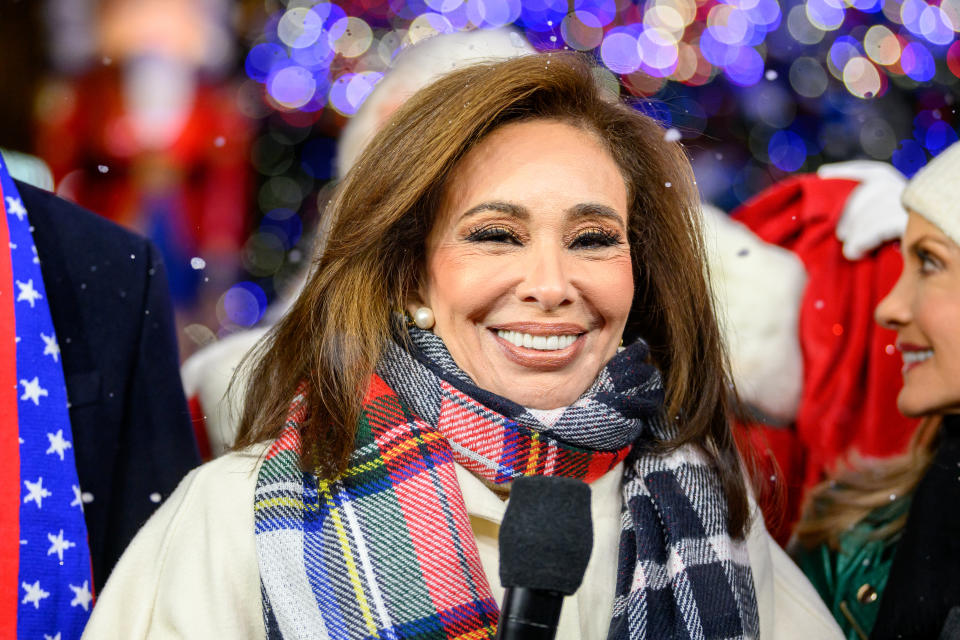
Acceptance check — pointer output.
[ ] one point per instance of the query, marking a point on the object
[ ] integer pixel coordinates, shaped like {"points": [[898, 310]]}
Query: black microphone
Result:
{"points": [[545, 543]]}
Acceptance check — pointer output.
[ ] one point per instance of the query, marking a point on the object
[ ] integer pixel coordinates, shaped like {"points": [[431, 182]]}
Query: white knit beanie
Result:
{"points": [[934, 192]]}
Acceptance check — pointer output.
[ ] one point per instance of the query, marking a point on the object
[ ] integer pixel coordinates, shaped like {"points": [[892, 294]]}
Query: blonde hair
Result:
{"points": [[834, 506]]}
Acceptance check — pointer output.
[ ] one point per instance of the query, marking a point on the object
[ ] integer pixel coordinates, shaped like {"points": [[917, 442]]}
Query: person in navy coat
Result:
{"points": [[110, 305]]}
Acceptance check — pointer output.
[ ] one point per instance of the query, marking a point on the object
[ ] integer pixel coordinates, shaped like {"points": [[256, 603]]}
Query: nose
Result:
{"points": [[893, 312], [546, 281]]}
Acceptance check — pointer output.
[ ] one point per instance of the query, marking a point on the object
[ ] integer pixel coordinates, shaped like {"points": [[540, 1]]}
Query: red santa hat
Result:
{"points": [[851, 370]]}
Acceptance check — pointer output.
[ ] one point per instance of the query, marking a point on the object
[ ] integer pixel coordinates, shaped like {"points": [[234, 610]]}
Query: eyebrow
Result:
{"points": [[915, 245], [582, 210]]}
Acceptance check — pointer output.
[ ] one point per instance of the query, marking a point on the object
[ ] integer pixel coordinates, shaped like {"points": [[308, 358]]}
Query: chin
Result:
{"points": [[542, 397], [914, 407]]}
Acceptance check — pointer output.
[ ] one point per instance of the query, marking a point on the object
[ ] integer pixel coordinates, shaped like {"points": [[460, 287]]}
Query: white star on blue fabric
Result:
{"points": [[57, 443], [82, 595], [56, 637], [33, 391], [36, 492], [34, 594], [50, 346], [77, 498], [28, 293], [36, 256], [15, 208], [58, 545]]}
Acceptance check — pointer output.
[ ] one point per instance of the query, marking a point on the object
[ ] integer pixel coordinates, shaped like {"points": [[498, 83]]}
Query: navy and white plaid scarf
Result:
{"points": [[680, 574]]}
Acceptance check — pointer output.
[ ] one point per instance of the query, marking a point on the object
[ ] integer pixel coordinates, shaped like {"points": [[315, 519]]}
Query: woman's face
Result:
{"points": [[528, 266], [924, 309]]}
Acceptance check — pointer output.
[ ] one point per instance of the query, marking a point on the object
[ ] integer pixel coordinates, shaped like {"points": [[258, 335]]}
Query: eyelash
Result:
{"points": [[928, 263], [586, 238]]}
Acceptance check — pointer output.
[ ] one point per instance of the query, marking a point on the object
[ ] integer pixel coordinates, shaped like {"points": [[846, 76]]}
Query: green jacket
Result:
{"points": [[851, 579]]}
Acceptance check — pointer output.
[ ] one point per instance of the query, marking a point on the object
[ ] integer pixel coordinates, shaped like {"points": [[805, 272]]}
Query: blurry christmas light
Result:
{"points": [[746, 68], [658, 52], [728, 24], [841, 51], [666, 18], [493, 13], [317, 55], [280, 192], [939, 136], [444, 6], [878, 139], [582, 30], [292, 86], [861, 78], [603, 10], [825, 14], [262, 58], [350, 37], [687, 63], [299, 27], [263, 253], [350, 90], [620, 52], [917, 62], [935, 26], [787, 150], [242, 304], [951, 9], [909, 157], [801, 28], [953, 58], [881, 45], [428, 25]]}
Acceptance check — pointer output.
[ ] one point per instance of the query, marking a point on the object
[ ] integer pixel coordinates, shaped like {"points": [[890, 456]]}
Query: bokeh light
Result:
{"points": [[242, 304], [861, 78], [787, 150], [917, 62]]}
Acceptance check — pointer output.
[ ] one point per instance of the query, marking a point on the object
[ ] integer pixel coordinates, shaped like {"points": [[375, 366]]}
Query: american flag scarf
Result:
{"points": [[386, 550], [45, 575]]}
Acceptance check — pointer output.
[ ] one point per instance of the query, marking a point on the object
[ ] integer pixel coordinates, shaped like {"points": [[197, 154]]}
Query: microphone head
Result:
{"points": [[546, 535]]}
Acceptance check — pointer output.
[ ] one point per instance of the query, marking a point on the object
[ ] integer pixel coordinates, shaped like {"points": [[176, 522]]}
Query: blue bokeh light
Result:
{"points": [[787, 150]]}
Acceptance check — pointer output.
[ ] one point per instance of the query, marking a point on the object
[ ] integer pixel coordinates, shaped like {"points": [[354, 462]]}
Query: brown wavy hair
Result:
{"points": [[374, 259]]}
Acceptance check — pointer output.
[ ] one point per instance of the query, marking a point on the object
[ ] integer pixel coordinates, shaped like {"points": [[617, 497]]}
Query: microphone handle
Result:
{"points": [[529, 614]]}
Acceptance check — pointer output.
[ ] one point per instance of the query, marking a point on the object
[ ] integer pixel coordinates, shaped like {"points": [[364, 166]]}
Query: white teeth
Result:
{"points": [[541, 343], [909, 357]]}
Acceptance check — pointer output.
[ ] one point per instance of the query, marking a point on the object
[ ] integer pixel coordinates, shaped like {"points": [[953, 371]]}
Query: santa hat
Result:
{"points": [[851, 371], [934, 192]]}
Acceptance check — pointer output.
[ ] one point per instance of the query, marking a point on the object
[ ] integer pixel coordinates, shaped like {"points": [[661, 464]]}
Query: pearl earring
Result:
{"points": [[423, 318]]}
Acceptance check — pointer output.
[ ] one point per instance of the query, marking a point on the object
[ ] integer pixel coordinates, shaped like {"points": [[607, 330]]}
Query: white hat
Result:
{"points": [[934, 192]]}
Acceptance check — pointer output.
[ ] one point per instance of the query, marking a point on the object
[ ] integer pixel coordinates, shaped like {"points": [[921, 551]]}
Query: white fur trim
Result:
{"points": [[758, 288], [934, 192]]}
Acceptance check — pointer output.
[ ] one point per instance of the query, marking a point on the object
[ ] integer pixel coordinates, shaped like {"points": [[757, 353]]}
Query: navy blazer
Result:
{"points": [[132, 434]]}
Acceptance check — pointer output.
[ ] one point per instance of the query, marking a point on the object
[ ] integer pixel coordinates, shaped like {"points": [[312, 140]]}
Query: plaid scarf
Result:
{"points": [[386, 550]]}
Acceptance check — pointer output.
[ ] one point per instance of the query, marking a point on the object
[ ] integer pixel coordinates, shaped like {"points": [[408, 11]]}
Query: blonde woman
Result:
{"points": [[882, 544]]}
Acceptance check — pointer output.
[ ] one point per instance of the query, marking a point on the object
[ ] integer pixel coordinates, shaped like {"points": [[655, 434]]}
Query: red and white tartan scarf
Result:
{"points": [[386, 550]]}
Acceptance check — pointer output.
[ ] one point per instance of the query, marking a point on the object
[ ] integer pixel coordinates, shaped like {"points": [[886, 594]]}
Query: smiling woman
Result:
{"points": [[877, 541], [528, 223], [528, 269]]}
